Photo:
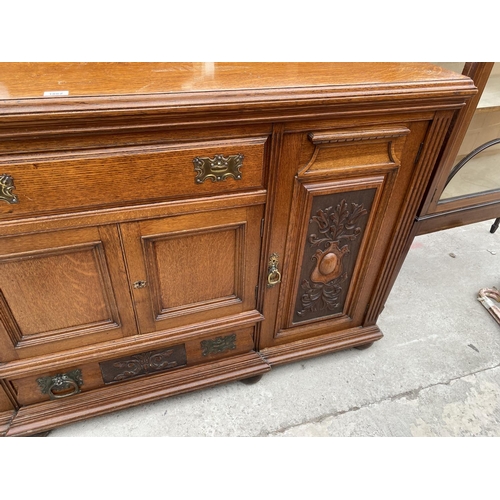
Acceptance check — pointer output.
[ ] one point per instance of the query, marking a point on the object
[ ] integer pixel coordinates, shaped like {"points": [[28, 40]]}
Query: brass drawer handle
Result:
{"points": [[6, 187], [218, 168], [57, 386], [273, 275]]}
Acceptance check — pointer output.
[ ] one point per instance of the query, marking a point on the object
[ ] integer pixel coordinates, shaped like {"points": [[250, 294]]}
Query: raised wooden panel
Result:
{"points": [[213, 256], [66, 279], [57, 288], [193, 268]]}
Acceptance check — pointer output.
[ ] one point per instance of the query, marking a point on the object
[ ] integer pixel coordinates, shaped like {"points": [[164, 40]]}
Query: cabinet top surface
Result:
{"points": [[31, 90], [33, 80], [34, 87]]}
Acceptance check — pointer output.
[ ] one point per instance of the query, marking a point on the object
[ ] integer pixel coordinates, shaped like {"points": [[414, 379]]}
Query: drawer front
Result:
{"points": [[57, 386], [84, 377], [131, 176]]}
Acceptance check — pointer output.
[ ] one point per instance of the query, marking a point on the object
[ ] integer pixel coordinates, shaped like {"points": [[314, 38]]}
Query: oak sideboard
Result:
{"points": [[166, 227]]}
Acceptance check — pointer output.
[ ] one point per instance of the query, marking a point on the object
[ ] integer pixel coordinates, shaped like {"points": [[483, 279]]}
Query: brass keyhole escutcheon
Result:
{"points": [[140, 284], [273, 275]]}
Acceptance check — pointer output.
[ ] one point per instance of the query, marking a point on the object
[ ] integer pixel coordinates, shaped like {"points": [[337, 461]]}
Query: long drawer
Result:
{"points": [[130, 175], [84, 377]]}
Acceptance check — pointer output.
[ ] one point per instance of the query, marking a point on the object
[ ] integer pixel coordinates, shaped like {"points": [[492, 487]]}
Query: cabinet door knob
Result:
{"points": [[6, 187], [140, 284], [273, 275]]}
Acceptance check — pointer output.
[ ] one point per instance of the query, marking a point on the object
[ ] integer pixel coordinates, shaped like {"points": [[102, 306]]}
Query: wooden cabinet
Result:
{"points": [[466, 184], [204, 230]]}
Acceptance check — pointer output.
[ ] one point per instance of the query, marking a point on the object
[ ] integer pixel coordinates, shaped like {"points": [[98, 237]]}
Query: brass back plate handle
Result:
{"points": [[219, 168], [61, 385], [6, 187], [273, 275]]}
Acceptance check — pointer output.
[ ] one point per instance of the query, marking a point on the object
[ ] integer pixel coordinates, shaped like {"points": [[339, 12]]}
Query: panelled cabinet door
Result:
{"points": [[62, 290], [343, 201], [193, 268]]}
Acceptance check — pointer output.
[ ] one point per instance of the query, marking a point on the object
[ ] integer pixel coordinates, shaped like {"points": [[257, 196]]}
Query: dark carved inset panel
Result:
{"points": [[218, 345], [144, 363], [336, 228]]}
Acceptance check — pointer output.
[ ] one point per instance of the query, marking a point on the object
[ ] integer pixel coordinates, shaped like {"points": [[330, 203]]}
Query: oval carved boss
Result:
{"points": [[329, 263]]}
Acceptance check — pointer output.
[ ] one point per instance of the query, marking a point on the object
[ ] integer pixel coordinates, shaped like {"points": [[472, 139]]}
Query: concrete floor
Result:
{"points": [[436, 372]]}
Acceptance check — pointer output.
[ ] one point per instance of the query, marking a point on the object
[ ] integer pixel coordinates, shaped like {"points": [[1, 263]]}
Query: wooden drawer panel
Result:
{"points": [[132, 176], [64, 384], [68, 383]]}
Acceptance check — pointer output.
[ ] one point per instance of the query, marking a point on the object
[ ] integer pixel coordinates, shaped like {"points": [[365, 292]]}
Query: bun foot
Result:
{"points": [[251, 380], [364, 346]]}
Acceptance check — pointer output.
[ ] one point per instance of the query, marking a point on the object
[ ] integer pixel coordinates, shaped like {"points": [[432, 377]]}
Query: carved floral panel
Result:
{"points": [[144, 363], [336, 228]]}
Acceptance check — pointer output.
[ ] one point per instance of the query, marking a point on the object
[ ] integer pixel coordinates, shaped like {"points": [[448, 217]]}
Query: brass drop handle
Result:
{"points": [[61, 385], [6, 187], [273, 275]]}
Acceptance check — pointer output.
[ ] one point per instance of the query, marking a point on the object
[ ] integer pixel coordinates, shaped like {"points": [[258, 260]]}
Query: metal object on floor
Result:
{"points": [[485, 295]]}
